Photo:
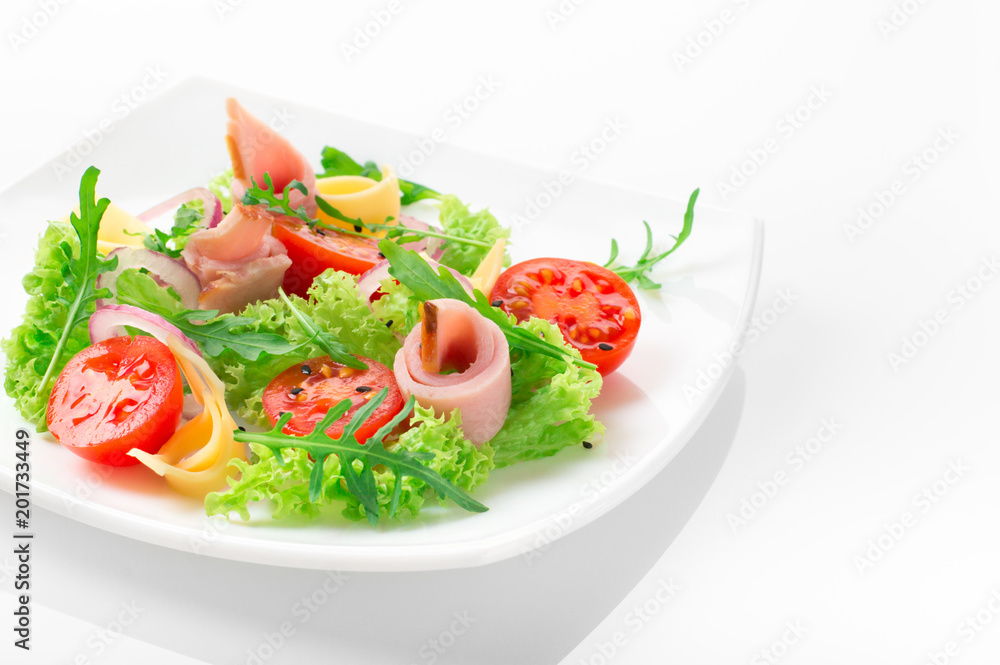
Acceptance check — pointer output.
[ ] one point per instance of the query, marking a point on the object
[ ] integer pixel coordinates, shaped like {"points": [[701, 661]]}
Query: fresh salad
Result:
{"points": [[298, 339]]}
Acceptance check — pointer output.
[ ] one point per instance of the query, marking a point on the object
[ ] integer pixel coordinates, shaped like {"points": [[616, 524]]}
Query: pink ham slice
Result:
{"points": [[255, 149], [238, 262], [236, 237], [257, 280], [480, 390]]}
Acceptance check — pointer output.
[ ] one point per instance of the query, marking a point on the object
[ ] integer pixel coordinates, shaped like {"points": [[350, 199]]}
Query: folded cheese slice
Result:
{"points": [[195, 460]]}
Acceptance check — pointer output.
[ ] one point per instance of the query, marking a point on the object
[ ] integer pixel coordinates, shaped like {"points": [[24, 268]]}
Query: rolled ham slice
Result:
{"points": [[255, 149], [480, 388]]}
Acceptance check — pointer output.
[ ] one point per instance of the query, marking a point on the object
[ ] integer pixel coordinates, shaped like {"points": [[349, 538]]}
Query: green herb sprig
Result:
{"points": [[357, 461], [81, 271], [404, 234], [338, 352], [417, 275], [186, 221], [255, 194], [639, 272]]}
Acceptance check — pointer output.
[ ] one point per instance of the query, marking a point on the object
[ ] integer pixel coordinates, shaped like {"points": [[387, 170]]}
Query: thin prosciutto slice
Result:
{"points": [[238, 262], [463, 340], [255, 149]]}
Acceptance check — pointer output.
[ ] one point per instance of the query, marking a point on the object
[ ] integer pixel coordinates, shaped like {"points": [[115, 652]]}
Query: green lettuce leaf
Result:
{"points": [[219, 185], [550, 403], [398, 308], [31, 345], [287, 486], [140, 289], [457, 220]]}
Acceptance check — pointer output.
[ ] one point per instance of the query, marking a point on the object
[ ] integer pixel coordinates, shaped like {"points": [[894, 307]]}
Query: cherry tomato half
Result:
{"points": [[116, 395], [594, 308], [312, 252], [310, 389]]}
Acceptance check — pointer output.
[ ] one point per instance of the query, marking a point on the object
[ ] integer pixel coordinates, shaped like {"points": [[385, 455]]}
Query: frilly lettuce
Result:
{"points": [[31, 345], [287, 487], [550, 403], [457, 220], [398, 306], [219, 185]]}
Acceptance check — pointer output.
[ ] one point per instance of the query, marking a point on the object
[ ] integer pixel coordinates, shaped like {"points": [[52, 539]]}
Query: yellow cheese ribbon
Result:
{"points": [[358, 197], [118, 229], [489, 269], [196, 458]]}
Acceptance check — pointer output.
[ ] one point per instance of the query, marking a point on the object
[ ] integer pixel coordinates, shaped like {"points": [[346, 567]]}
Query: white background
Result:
{"points": [[886, 94]]}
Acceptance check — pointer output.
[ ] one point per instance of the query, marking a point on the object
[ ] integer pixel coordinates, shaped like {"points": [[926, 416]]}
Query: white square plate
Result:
{"points": [[651, 406]]}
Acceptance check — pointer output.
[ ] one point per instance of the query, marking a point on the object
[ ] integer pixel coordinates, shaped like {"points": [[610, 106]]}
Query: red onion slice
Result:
{"points": [[414, 223], [433, 247], [110, 321], [213, 209], [370, 281], [166, 271]]}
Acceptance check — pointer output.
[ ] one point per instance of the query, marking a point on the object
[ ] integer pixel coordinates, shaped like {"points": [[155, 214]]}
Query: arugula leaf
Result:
{"points": [[357, 461], [255, 194], [80, 272], [188, 215], [323, 205], [337, 162], [403, 235], [187, 220], [213, 333], [416, 274], [333, 347], [639, 271]]}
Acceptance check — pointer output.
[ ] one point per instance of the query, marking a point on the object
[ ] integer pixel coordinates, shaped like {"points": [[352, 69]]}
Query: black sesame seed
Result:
{"points": [[604, 346], [357, 229], [321, 232], [306, 369], [497, 303], [242, 428], [281, 413], [381, 255], [588, 444], [388, 324], [296, 390], [363, 389]]}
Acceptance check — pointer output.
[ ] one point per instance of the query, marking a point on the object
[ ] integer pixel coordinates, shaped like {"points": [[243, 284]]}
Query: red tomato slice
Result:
{"points": [[116, 395], [594, 308], [309, 390], [312, 252]]}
